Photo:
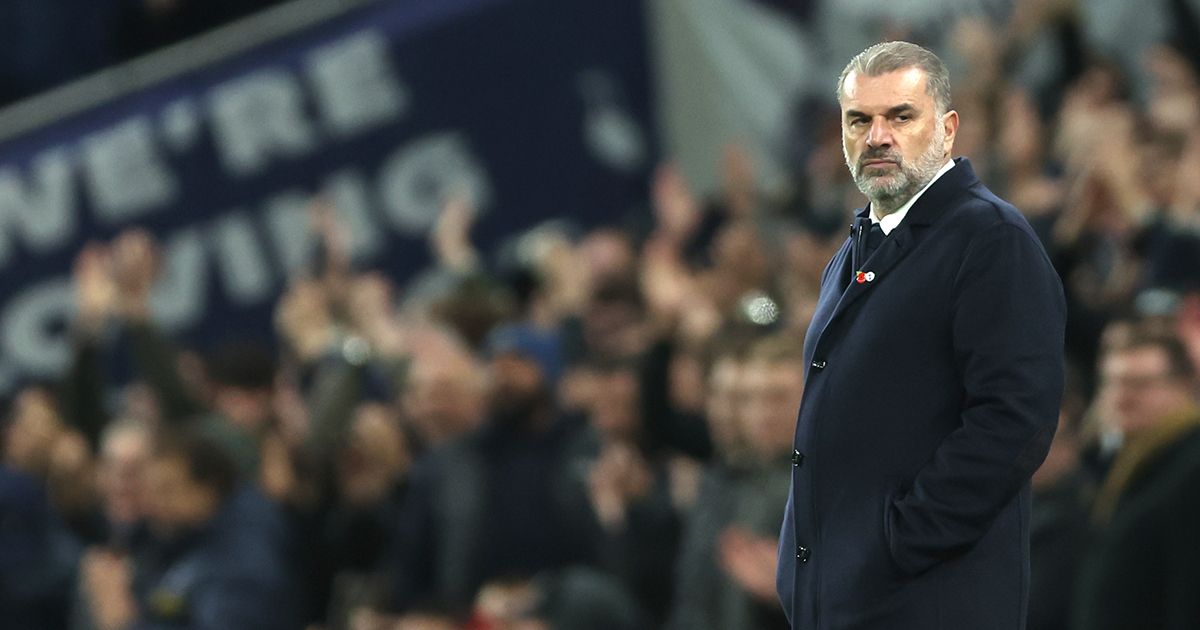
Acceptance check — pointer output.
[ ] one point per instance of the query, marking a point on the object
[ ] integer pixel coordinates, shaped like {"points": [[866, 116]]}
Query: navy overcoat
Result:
{"points": [[932, 391]]}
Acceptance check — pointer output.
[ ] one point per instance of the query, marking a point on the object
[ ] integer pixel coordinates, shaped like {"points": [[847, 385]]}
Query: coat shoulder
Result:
{"points": [[980, 210]]}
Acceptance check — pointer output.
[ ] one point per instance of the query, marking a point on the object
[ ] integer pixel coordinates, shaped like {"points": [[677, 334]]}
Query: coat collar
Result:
{"points": [[934, 202]]}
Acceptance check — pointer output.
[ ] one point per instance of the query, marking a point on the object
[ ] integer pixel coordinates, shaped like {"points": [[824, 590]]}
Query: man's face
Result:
{"points": [[893, 137], [123, 460], [248, 408], [517, 384], [32, 432], [1140, 389], [725, 394], [176, 502], [773, 396], [615, 410], [444, 396]]}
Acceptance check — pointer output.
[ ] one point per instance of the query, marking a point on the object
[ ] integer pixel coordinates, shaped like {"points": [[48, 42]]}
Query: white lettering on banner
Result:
{"points": [[125, 172], [249, 252], [29, 324], [259, 117], [244, 270], [289, 225], [180, 125], [178, 298], [355, 86], [42, 214], [415, 181]]}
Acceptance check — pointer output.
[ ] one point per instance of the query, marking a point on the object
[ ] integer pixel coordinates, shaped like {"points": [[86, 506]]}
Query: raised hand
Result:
{"points": [[451, 237], [135, 265], [303, 319], [95, 290], [750, 561], [676, 210]]}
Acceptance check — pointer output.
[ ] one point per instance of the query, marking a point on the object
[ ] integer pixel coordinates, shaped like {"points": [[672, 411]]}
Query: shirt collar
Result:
{"points": [[891, 221]]}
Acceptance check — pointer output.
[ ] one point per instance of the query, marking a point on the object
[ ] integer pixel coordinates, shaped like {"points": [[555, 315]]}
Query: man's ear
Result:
{"points": [[950, 124]]}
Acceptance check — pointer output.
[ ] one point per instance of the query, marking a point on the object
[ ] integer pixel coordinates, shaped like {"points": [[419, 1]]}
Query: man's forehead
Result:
{"points": [[865, 93]]}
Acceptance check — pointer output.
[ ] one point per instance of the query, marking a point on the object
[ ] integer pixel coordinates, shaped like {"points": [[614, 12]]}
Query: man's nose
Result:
{"points": [[880, 134]]}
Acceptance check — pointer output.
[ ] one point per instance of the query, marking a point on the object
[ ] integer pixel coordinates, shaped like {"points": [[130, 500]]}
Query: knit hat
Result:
{"points": [[536, 344]]}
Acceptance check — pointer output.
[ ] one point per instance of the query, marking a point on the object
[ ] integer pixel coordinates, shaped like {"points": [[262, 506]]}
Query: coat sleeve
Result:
{"points": [[1008, 320]]}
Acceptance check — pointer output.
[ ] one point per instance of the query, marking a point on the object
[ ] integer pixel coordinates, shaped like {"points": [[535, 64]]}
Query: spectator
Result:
{"points": [[1142, 567], [498, 502], [630, 488], [726, 575], [213, 556], [444, 390], [121, 476], [371, 476]]}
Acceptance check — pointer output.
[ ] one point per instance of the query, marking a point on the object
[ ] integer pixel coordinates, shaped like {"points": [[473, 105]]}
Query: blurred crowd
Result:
{"points": [[594, 430]]}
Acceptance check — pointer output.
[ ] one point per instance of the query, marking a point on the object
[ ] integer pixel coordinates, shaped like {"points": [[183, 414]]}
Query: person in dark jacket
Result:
{"points": [[934, 376], [725, 577], [502, 501], [212, 556], [38, 556], [1143, 569]]}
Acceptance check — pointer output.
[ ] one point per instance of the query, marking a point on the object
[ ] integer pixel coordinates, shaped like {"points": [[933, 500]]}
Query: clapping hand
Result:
{"points": [[750, 561]]}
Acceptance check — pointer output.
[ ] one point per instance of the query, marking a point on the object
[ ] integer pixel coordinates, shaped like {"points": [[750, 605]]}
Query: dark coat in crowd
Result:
{"points": [[38, 557], [1143, 566], [749, 496], [501, 502], [231, 573], [1058, 540], [931, 396]]}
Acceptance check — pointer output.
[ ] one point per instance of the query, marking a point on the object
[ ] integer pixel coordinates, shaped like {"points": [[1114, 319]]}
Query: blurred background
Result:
{"points": [[488, 314]]}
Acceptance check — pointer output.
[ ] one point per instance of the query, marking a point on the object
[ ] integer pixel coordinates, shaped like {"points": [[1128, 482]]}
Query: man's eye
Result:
{"points": [[903, 118]]}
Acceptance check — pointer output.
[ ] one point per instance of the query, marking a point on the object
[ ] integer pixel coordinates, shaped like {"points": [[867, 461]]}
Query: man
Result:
{"points": [[213, 556], [728, 562], [1144, 567], [501, 500], [934, 375], [124, 457], [444, 391]]}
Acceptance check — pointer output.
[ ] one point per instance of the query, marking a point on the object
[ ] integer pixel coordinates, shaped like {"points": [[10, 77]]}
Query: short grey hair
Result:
{"points": [[888, 57]]}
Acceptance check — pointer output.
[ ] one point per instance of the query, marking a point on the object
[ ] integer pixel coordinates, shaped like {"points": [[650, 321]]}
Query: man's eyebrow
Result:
{"points": [[894, 111]]}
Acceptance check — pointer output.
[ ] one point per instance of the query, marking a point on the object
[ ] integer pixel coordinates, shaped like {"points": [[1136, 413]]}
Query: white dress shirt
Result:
{"points": [[889, 223]]}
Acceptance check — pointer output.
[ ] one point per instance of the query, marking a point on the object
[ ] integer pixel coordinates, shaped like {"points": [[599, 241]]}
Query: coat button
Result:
{"points": [[802, 553], [820, 365], [797, 458]]}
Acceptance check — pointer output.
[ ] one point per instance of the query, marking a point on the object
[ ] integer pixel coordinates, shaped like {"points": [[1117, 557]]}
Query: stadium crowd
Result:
{"points": [[595, 432]]}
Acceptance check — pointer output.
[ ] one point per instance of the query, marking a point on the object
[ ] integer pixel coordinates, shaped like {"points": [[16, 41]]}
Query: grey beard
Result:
{"points": [[887, 198]]}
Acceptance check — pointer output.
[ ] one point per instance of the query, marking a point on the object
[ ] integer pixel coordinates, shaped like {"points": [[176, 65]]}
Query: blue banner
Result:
{"points": [[538, 108]]}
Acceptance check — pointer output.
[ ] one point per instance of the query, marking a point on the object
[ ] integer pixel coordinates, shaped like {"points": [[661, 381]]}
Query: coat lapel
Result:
{"points": [[876, 269], [901, 242]]}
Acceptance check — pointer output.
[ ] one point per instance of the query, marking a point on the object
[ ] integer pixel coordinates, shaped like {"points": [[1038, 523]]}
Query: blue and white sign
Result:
{"points": [[539, 108]]}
